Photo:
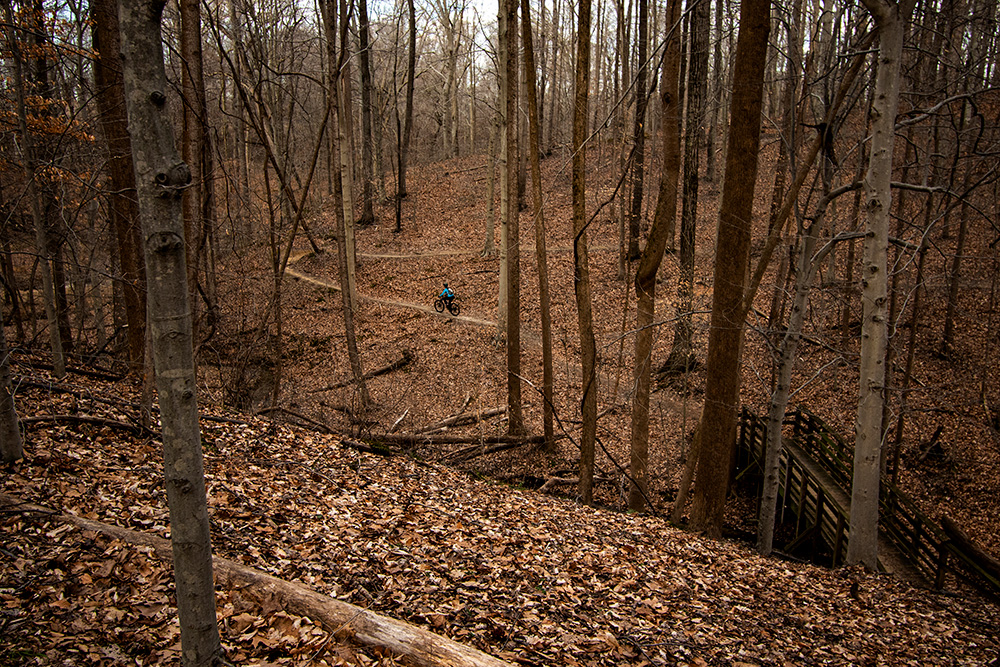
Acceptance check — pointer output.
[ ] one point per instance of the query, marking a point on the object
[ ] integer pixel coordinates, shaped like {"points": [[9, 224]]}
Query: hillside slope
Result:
{"points": [[533, 579]]}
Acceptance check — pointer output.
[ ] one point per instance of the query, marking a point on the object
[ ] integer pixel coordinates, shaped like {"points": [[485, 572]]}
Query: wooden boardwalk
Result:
{"points": [[816, 468]]}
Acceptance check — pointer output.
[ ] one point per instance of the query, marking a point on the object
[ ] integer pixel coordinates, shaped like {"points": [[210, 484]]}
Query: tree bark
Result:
{"points": [[337, 55], [367, 166], [548, 408], [10, 431], [862, 547], [681, 357], [649, 261], [160, 178], [411, 73], [515, 417], [123, 207], [585, 320], [718, 428], [639, 135]]}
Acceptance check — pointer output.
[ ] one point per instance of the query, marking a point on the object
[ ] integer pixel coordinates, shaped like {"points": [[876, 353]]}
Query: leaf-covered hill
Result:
{"points": [[530, 578]]}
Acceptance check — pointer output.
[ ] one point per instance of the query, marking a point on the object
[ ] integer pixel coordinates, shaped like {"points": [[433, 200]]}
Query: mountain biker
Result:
{"points": [[448, 295]]}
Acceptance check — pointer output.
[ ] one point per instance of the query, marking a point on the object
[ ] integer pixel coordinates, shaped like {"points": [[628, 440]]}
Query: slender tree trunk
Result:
{"points": [[367, 167], [337, 55], [411, 74], [160, 177], [681, 356], [123, 208], [639, 136], [862, 547], [10, 431], [507, 186], [515, 416], [554, 97], [808, 265], [346, 129], [718, 427], [649, 261], [30, 168], [192, 146], [539, 221], [588, 348], [489, 243]]}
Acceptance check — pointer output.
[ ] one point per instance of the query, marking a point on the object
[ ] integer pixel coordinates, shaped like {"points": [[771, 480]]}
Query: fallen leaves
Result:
{"points": [[526, 577]]}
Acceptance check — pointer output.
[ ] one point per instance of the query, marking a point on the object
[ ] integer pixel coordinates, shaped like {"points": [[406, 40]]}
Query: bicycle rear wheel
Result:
{"points": [[454, 308]]}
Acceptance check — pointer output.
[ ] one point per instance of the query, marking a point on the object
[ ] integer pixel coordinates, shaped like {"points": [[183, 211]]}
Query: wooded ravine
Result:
{"points": [[225, 231]]}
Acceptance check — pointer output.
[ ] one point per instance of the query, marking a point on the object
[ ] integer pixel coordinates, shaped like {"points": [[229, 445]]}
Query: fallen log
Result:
{"points": [[462, 420], [412, 439], [396, 365], [85, 419], [312, 423], [413, 644]]}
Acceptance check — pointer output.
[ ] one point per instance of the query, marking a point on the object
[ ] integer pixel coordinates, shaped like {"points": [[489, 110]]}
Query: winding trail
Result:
{"points": [[527, 335]]}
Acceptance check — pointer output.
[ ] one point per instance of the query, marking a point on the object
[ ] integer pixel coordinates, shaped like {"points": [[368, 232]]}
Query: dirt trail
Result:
{"points": [[527, 335]]}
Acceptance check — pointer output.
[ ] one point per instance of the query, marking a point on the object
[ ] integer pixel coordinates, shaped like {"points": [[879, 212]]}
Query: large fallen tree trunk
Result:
{"points": [[414, 645]]}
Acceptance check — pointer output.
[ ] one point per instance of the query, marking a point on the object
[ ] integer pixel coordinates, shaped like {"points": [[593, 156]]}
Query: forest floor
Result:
{"points": [[469, 550]]}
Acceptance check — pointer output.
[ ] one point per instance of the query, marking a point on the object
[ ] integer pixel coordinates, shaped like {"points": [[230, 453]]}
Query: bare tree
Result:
{"points": [[47, 262], [515, 416], [160, 178], [539, 221], [123, 207], [681, 357], [890, 19], [718, 426], [367, 110], [639, 135], [652, 255], [337, 55], [581, 263], [10, 431]]}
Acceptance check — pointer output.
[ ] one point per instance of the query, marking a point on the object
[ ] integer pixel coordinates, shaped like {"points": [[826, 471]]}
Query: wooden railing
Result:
{"points": [[918, 538]]}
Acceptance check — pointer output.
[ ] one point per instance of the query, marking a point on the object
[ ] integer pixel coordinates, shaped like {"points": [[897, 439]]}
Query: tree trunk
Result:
{"points": [[548, 410], [554, 97], [367, 167], [639, 135], [807, 268], [193, 148], [489, 243], [30, 168], [346, 134], [588, 348], [649, 262], [718, 428], [10, 431], [515, 417], [123, 208], [411, 73], [337, 55], [160, 177], [862, 547], [681, 357]]}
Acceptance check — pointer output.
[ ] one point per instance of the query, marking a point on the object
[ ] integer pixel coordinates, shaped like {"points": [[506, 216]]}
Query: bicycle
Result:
{"points": [[453, 307]]}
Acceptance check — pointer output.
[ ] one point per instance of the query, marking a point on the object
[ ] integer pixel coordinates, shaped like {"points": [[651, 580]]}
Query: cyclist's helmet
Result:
{"points": [[446, 284]]}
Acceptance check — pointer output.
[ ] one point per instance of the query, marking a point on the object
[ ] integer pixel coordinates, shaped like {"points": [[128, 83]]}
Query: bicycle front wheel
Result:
{"points": [[439, 305]]}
